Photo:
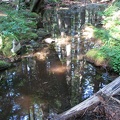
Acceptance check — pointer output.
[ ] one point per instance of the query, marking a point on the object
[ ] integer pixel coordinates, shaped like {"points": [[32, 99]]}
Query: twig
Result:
{"points": [[116, 99]]}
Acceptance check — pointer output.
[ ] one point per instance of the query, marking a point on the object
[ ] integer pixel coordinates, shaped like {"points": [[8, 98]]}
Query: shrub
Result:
{"points": [[16, 25]]}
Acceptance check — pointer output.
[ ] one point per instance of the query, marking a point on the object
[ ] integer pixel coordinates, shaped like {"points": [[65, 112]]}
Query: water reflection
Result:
{"points": [[55, 79], [30, 91], [36, 89]]}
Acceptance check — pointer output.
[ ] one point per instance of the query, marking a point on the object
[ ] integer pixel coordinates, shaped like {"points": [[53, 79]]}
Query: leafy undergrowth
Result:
{"points": [[109, 34], [15, 25]]}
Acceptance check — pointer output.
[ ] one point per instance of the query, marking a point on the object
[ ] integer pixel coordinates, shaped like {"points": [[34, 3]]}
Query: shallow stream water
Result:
{"points": [[35, 89]]}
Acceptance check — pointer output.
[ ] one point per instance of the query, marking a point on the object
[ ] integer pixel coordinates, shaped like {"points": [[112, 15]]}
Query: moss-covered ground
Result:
{"points": [[109, 34]]}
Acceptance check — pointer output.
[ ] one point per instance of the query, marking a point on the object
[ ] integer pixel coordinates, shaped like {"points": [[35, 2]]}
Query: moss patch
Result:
{"points": [[4, 65], [97, 57]]}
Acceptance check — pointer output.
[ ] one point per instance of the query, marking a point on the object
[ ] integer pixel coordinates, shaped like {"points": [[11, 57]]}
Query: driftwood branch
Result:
{"points": [[109, 90]]}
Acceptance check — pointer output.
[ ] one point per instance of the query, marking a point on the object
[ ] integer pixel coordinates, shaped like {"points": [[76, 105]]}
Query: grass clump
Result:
{"points": [[97, 57]]}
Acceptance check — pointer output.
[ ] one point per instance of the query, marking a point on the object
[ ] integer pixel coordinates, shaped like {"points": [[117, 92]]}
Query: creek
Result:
{"points": [[37, 88]]}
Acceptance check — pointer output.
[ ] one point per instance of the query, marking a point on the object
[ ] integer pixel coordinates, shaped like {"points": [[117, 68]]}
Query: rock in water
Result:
{"points": [[49, 40], [16, 47]]}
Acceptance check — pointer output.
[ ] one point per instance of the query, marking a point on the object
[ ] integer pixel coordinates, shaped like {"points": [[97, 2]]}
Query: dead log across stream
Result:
{"points": [[109, 90]]}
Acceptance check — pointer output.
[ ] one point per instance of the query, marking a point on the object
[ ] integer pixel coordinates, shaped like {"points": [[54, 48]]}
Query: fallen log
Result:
{"points": [[109, 90], [111, 107]]}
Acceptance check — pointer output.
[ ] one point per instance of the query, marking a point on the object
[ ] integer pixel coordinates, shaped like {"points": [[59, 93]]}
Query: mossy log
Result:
{"points": [[109, 91]]}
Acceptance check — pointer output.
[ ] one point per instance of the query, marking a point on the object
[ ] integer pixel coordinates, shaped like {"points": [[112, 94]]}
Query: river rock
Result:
{"points": [[49, 40]]}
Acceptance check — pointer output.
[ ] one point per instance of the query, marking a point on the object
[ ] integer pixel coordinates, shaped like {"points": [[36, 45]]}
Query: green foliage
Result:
{"points": [[54, 0], [29, 35], [113, 53], [102, 34], [16, 25], [112, 9], [110, 35], [109, 10], [4, 64], [7, 49], [7, 43]]}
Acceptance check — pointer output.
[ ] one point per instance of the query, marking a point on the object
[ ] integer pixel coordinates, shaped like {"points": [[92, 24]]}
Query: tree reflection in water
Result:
{"points": [[30, 90], [37, 88]]}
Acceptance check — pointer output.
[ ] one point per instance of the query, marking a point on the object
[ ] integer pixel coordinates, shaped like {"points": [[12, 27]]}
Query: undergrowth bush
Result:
{"points": [[16, 25], [113, 54], [110, 35]]}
